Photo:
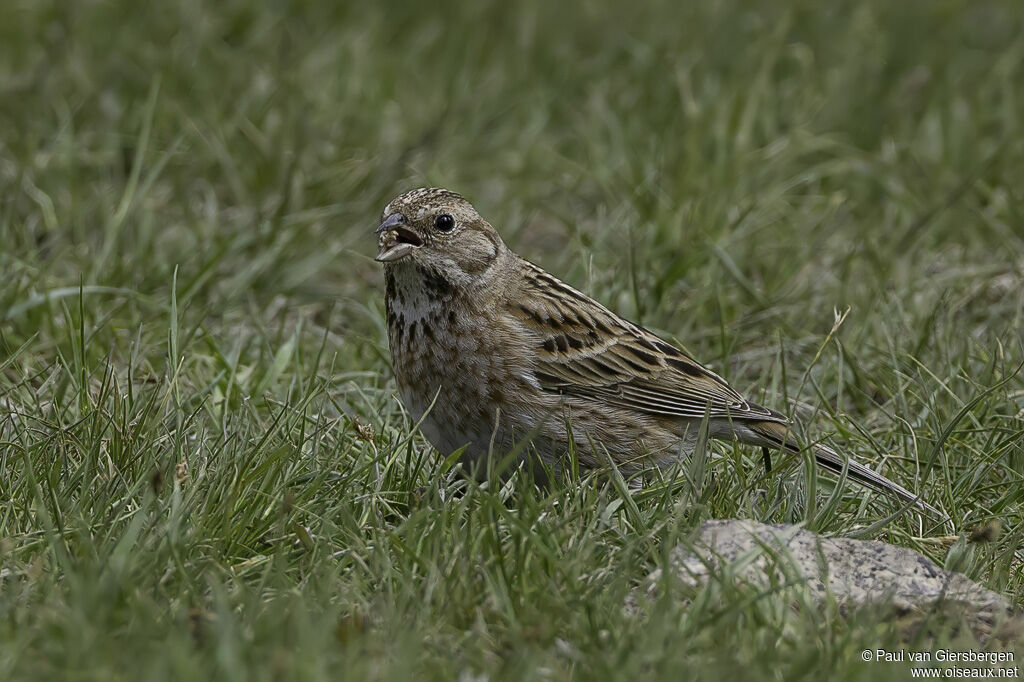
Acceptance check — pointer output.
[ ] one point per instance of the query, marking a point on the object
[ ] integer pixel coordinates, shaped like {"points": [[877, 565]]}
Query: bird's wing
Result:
{"points": [[585, 350]]}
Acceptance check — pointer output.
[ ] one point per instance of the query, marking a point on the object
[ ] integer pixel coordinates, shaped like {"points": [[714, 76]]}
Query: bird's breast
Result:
{"points": [[453, 363]]}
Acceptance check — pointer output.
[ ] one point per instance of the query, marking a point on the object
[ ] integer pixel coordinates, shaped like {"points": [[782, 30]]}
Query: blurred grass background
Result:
{"points": [[204, 470]]}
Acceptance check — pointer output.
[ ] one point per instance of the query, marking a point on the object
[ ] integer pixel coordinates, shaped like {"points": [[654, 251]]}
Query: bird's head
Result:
{"points": [[440, 231]]}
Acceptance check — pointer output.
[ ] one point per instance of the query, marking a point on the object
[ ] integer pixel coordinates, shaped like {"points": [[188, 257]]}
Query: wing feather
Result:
{"points": [[584, 349]]}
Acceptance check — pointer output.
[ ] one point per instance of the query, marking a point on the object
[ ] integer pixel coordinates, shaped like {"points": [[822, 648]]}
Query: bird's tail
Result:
{"points": [[776, 435]]}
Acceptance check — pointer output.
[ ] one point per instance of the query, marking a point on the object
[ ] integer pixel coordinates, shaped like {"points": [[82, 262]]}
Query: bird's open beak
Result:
{"points": [[396, 239]]}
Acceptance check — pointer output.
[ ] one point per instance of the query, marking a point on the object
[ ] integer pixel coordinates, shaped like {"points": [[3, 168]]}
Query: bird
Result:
{"points": [[492, 354]]}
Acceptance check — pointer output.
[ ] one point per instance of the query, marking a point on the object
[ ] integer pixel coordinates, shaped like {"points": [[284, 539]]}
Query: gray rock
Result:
{"points": [[854, 572]]}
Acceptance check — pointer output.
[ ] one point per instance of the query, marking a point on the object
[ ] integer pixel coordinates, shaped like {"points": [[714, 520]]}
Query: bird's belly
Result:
{"points": [[477, 404], [457, 398]]}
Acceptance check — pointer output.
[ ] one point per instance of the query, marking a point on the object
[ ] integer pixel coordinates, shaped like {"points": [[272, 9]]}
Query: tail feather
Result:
{"points": [[776, 435]]}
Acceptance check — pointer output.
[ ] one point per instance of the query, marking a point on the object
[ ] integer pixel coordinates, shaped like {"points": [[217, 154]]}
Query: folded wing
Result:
{"points": [[583, 349]]}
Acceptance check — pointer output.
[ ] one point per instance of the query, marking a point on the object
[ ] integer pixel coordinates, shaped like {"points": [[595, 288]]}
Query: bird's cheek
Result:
{"points": [[477, 260]]}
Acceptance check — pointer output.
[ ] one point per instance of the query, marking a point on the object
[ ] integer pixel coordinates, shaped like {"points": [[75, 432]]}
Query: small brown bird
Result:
{"points": [[491, 351]]}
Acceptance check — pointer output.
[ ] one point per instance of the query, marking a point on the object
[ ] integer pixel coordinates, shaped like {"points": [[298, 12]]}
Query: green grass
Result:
{"points": [[204, 469]]}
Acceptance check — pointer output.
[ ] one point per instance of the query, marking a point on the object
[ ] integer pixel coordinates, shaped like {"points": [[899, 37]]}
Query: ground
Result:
{"points": [[205, 472]]}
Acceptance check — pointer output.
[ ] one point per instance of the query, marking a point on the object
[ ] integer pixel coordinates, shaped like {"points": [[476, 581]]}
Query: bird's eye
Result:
{"points": [[444, 222]]}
